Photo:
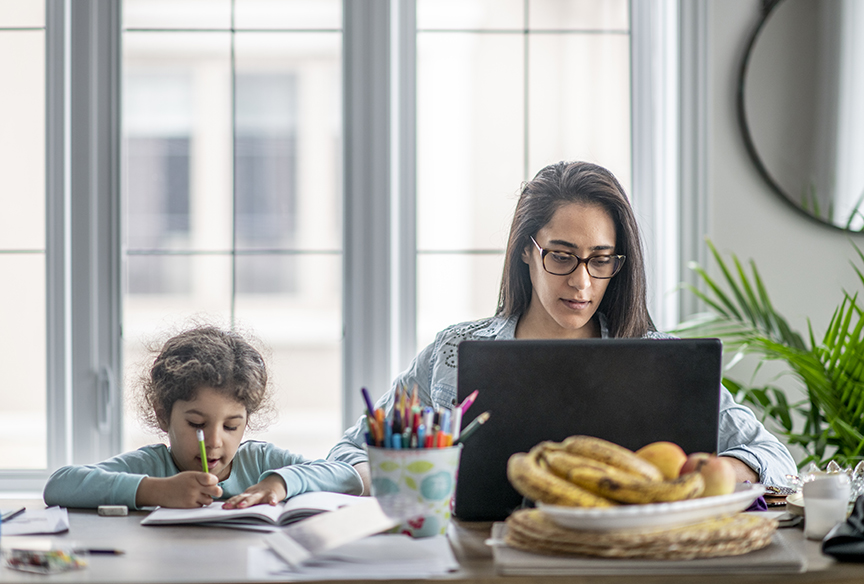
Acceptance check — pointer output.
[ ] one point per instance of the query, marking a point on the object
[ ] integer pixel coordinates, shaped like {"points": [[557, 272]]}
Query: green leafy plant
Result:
{"points": [[828, 423]]}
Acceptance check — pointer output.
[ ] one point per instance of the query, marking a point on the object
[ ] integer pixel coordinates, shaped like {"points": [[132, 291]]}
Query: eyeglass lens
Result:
{"points": [[562, 264]]}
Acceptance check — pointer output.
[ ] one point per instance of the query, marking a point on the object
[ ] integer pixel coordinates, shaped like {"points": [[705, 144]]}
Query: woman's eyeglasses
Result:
{"points": [[562, 263]]}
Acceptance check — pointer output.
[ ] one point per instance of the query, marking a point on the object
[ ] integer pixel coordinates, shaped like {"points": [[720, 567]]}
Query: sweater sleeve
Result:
{"points": [[112, 482], [302, 475], [742, 436]]}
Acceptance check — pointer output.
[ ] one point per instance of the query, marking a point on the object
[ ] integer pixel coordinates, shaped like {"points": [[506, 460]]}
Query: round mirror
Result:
{"points": [[801, 106]]}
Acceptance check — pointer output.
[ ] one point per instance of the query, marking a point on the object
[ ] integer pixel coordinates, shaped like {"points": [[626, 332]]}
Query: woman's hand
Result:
{"points": [[270, 491], [743, 473], [185, 490]]}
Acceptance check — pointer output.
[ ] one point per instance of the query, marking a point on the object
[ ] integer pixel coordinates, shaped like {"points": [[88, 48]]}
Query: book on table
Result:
{"points": [[285, 513]]}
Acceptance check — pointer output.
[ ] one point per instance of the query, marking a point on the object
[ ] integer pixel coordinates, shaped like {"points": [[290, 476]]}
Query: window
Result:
{"points": [[23, 417], [232, 138], [503, 89], [253, 162]]}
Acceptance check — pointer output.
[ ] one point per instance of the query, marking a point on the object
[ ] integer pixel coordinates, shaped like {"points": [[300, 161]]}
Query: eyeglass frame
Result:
{"points": [[579, 261]]}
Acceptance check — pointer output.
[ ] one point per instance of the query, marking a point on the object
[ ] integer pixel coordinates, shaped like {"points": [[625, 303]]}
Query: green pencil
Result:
{"points": [[471, 428], [203, 450]]}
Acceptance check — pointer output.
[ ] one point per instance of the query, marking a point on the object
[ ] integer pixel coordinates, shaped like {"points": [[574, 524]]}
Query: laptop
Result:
{"points": [[629, 391]]}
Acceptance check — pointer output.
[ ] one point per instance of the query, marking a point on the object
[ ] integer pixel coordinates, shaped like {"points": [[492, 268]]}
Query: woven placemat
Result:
{"points": [[531, 530]]}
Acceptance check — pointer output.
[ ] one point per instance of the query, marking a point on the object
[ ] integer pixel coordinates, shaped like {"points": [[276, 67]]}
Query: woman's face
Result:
{"points": [[564, 306]]}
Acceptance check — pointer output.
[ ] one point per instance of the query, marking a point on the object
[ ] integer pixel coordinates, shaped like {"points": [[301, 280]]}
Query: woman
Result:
{"points": [[573, 269]]}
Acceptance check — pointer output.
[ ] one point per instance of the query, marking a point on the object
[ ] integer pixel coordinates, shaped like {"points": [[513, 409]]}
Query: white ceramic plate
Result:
{"points": [[795, 504], [630, 517]]}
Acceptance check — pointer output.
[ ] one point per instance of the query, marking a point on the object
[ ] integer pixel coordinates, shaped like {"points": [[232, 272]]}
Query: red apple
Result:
{"points": [[719, 474], [694, 462]]}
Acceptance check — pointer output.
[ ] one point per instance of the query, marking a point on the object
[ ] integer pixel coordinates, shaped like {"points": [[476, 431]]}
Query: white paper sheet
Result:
{"points": [[38, 521], [377, 558]]}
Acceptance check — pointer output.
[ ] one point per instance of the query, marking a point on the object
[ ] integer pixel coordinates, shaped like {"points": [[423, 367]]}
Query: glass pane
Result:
{"points": [[22, 140], [164, 295], [587, 116], [288, 14], [23, 427], [174, 14], [22, 13], [177, 140], [578, 14], [471, 14], [288, 140], [469, 292], [470, 138], [301, 326]]}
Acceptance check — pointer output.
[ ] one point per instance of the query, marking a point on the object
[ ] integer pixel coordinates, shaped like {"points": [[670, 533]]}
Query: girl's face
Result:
{"points": [[223, 421], [564, 306]]}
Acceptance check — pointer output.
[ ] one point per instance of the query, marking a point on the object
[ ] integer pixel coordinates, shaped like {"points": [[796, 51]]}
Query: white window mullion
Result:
{"points": [[94, 230], [366, 195], [403, 164], [655, 193]]}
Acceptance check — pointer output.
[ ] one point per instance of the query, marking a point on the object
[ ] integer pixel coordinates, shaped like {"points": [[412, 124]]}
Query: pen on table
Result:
{"points": [[99, 551], [472, 427], [13, 514], [200, 434], [468, 401]]}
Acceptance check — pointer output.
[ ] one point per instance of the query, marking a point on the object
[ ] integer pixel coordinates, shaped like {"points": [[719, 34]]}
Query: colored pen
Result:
{"points": [[472, 427], [468, 401], [369, 407], [457, 423], [13, 514], [200, 434], [100, 551]]}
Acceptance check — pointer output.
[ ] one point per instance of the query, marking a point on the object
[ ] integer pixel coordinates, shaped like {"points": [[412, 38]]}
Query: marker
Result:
{"points": [[100, 551], [457, 423], [468, 401], [368, 401], [13, 514], [472, 427], [200, 434]]}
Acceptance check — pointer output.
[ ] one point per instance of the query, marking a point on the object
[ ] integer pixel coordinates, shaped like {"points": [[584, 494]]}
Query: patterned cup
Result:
{"points": [[416, 486]]}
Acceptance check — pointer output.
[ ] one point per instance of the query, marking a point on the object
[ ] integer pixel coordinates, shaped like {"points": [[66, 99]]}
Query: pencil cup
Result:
{"points": [[416, 486]]}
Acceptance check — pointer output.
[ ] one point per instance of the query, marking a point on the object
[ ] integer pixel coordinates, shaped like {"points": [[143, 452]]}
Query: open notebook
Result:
{"points": [[285, 513]]}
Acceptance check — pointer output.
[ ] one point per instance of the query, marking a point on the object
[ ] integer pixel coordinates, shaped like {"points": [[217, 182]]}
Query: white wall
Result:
{"points": [[804, 265]]}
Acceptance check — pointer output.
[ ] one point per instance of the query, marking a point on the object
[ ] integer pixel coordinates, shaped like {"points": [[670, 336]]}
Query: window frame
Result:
{"points": [[83, 220]]}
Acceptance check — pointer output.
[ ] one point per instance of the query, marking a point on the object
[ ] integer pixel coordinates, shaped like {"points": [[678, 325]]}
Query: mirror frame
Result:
{"points": [[768, 6]]}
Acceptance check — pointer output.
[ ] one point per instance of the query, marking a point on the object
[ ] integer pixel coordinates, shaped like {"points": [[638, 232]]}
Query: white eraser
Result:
{"points": [[113, 510]]}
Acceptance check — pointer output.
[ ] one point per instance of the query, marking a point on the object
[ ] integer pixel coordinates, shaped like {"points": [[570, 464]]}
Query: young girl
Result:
{"points": [[573, 269], [211, 380]]}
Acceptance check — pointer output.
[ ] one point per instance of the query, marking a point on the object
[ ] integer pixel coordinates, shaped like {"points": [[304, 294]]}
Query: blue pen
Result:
{"points": [[421, 435], [388, 433], [397, 441], [445, 421]]}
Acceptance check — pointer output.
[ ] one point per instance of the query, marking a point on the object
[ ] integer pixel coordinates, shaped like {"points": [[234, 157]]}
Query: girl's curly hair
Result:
{"points": [[207, 356]]}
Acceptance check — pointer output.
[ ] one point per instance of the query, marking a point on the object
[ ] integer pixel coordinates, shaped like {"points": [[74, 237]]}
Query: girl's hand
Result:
{"points": [[270, 491], [185, 490]]}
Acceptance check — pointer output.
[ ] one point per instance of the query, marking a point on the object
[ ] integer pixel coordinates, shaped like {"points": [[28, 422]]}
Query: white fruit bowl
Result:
{"points": [[654, 515]]}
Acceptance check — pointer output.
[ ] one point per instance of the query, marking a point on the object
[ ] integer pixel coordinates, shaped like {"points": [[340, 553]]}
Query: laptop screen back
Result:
{"points": [[629, 391]]}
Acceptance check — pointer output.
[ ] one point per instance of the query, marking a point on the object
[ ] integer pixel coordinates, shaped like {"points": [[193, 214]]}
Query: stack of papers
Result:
{"points": [[376, 557], [37, 521]]}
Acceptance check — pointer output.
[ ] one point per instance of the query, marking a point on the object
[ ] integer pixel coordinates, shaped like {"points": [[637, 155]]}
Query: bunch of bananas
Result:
{"points": [[584, 471]]}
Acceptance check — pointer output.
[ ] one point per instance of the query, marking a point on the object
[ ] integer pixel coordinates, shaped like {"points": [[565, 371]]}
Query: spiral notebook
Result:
{"points": [[629, 391]]}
